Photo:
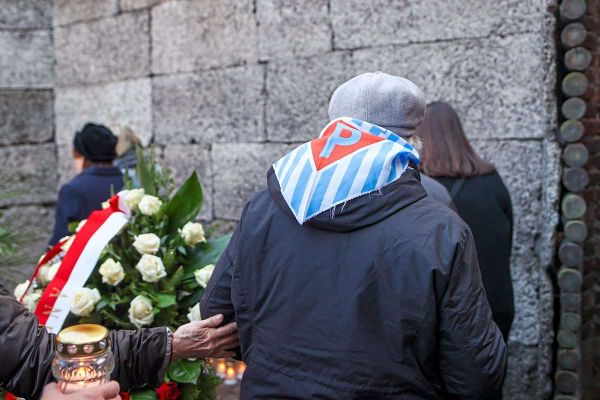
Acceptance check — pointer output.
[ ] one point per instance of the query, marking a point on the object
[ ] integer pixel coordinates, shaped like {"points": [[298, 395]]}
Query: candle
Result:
{"points": [[83, 358], [221, 369], [230, 379], [240, 370]]}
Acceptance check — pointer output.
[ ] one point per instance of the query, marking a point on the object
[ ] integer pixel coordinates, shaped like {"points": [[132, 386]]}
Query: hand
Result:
{"points": [[107, 391], [202, 339]]}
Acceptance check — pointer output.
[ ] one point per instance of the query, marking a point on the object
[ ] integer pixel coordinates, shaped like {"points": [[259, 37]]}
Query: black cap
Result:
{"points": [[96, 143]]}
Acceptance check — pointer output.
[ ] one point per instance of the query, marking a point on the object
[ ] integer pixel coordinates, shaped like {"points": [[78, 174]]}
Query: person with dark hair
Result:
{"points": [[93, 154], [482, 201]]}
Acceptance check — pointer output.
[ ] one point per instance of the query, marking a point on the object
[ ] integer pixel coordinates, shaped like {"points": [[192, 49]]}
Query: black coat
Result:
{"points": [[484, 204], [378, 299], [82, 195], [27, 352]]}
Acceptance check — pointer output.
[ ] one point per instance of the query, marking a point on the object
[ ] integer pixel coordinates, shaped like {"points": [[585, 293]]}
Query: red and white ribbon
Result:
{"points": [[79, 262]]}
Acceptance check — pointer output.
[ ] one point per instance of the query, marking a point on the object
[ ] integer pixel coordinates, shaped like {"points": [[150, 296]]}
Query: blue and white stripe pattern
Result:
{"points": [[309, 191]]}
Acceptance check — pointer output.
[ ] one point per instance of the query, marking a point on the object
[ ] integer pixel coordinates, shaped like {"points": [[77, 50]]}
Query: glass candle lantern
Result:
{"points": [[83, 357]]}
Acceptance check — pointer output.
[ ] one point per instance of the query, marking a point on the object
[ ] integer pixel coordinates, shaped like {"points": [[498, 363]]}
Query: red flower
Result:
{"points": [[168, 391], [125, 396]]}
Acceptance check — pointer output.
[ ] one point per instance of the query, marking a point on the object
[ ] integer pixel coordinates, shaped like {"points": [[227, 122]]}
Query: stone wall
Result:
{"points": [[227, 87], [27, 145]]}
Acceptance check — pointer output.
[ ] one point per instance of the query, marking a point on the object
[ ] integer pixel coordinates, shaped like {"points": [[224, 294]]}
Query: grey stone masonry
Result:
{"points": [[493, 83], [120, 103], [359, 23], [212, 106], [26, 116], [292, 28], [32, 169], [69, 11], [127, 5], [26, 59], [202, 34], [25, 14], [104, 50], [298, 93]]}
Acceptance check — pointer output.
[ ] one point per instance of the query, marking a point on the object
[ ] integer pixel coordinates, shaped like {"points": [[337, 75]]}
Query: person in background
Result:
{"points": [[482, 201], [141, 356], [126, 159], [97, 179]]}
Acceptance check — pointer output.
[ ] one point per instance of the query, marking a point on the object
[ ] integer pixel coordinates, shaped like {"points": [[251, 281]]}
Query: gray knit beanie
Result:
{"points": [[385, 100]]}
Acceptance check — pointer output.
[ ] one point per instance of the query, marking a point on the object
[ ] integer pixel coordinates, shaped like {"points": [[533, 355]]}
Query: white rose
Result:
{"points": [[133, 197], [112, 272], [192, 233], [194, 314], [140, 311], [149, 205], [84, 301], [203, 275], [80, 225], [47, 273], [67, 245], [20, 289], [151, 268], [147, 243], [30, 301]]}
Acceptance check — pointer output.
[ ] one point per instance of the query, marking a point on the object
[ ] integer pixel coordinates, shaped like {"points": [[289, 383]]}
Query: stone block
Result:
{"points": [[26, 59], [69, 11], [25, 14], [65, 167], [127, 5], [182, 160], [31, 170], [499, 86], [240, 170], [26, 116], [298, 95], [524, 380], [202, 34], [121, 103], [34, 225], [292, 28], [211, 106], [358, 23], [526, 277], [104, 50]]}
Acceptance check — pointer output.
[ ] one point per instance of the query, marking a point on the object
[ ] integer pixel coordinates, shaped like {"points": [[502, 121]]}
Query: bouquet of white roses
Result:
{"points": [[153, 273]]}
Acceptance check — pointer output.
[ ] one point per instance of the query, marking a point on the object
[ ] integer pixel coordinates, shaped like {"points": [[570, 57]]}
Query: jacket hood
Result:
{"points": [[361, 211]]}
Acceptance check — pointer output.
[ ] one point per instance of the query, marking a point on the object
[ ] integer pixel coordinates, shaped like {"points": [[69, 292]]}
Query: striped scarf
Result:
{"points": [[348, 159]]}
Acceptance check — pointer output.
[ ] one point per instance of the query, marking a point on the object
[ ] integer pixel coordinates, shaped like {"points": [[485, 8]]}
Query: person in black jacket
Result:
{"points": [[93, 154], [379, 296], [142, 356]]}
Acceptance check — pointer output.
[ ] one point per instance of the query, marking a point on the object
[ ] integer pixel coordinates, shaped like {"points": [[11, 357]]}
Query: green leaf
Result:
{"points": [[165, 300], [185, 204], [144, 173], [208, 253], [185, 371], [147, 394]]}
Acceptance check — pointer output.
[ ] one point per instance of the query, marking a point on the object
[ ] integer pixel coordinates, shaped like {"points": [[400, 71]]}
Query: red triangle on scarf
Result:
{"points": [[339, 140]]}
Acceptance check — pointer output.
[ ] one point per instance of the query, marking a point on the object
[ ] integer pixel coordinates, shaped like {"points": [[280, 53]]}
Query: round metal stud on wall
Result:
{"points": [[574, 108]]}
